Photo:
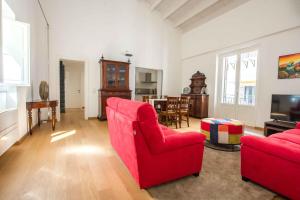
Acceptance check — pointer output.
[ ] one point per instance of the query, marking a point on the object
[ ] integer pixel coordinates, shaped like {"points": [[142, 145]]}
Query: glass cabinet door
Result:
{"points": [[122, 71], [111, 75]]}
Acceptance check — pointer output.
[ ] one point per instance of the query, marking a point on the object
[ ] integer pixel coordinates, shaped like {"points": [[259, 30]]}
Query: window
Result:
{"points": [[16, 51], [229, 76], [15, 62], [239, 78], [248, 65]]}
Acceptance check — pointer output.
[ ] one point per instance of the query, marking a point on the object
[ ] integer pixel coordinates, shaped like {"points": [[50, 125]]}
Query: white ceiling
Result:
{"points": [[188, 14]]}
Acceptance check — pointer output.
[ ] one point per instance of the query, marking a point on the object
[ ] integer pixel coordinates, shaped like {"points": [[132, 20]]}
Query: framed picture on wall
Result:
{"points": [[289, 66]]}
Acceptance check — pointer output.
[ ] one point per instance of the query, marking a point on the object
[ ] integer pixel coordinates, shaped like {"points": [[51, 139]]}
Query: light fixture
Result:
{"points": [[128, 55]]}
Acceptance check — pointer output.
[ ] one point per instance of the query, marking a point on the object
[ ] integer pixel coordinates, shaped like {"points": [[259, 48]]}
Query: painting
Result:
{"points": [[289, 66]]}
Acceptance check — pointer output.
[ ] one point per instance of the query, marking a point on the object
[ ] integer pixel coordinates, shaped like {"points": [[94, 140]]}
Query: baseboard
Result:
{"points": [[259, 128], [255, 127], [25, 135]]}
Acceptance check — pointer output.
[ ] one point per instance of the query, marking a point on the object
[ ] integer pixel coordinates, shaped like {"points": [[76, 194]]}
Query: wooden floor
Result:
{"points": [[75, 161]]}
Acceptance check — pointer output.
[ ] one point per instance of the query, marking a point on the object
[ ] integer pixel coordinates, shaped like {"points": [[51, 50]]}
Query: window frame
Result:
{"points": [[237, 76]]}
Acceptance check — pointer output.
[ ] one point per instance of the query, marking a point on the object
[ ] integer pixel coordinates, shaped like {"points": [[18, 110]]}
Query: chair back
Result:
{"points": [[146, 99], [184, 104], [172, 103]]}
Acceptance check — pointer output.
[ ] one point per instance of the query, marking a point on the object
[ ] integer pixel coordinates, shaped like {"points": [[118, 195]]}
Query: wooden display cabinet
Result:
{"points": [[198, 101], [115, 83]]}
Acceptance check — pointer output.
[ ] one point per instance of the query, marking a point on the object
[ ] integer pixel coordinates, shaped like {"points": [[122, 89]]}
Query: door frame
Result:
{"points": [[157, 70], [85, 92]]}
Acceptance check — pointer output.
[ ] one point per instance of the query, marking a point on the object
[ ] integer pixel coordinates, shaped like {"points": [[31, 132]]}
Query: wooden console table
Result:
{"points": [[38, 105], [273, 127]]}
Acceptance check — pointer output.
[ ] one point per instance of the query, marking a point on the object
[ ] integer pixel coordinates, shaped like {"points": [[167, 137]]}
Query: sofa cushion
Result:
{"points": [[292, 136], [167, 131], [298, 125], [274, 146]]}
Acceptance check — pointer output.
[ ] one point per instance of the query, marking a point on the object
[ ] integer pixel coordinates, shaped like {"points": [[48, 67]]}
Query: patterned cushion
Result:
{"points": [[222, 131]]}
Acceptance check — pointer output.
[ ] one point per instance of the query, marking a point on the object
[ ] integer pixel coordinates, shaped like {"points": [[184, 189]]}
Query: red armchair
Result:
{"points": [[273, 162], [153, 153]]}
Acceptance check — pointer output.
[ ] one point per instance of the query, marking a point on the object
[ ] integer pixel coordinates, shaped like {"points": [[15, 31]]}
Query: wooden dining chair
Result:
{"points": [[171, 113], [183, 110], [146, 99], [154, 97]]}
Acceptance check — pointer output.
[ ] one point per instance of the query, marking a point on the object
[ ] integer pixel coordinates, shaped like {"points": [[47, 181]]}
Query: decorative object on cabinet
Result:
{"points": [[198, 101], [289, 66], [203, 90], [115, 83], [44, 90], [197, 82], [186, 90]]}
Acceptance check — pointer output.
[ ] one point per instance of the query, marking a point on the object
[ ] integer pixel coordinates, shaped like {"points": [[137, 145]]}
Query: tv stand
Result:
{"points": [[276, 126]]}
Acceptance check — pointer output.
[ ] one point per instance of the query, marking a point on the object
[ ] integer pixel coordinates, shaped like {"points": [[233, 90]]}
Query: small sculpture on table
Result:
{"points": [[44, 90]]}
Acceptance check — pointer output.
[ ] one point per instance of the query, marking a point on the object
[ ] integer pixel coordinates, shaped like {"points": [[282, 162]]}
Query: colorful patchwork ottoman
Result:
{"points": [[222, 131]]}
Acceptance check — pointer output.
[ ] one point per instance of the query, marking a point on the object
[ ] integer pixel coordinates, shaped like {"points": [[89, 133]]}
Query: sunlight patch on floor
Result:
{"points": [[61, 135], [86, 149]]}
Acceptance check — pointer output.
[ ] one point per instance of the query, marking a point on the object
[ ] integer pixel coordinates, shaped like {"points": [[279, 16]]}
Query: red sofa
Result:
{"points": [[154, 154], [273, 162]]}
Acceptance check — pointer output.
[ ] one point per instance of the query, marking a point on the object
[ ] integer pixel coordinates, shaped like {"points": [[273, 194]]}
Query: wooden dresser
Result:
{"points": [[114, 83], [198, 102]]}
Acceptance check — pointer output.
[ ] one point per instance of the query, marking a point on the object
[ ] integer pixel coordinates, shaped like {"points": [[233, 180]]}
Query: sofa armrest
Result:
{"points": [[181, 140], [298, 125], [272, 147]]}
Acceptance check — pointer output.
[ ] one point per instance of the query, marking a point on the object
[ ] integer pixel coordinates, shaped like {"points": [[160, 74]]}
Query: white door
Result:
{"points": [[73, 86], [237, 86]]}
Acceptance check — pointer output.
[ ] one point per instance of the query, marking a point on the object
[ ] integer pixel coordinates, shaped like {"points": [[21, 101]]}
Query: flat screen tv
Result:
{"points": [[285, 108]]}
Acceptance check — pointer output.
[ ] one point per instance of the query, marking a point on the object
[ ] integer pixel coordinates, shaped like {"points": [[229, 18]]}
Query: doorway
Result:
{"points": [[148, 82], [72, 85], [237, 85]]}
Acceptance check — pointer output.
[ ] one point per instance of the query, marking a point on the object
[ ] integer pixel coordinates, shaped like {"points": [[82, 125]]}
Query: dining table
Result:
{"points": [[158, 104], [155, 102]]}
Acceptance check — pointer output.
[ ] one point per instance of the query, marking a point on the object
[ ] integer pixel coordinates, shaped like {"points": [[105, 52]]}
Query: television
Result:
{"points": [[285, 108]]}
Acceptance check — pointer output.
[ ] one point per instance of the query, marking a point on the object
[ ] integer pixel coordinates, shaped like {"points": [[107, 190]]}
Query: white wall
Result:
{"points": [[29, 12], [271, 25], [251, 20], [83, 31]]}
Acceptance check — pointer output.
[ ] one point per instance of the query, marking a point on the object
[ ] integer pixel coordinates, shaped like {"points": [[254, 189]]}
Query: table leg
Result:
{"points": [[30, 120], [39, 117], [53, 117]]}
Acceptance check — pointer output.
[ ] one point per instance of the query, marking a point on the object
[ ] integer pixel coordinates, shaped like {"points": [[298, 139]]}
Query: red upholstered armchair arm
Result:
{"points": [[181, 140], [298, 125], [272, 147]]}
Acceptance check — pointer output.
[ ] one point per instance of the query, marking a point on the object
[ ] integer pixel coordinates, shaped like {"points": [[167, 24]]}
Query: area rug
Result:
{"points": [[223, 147], [219, 179]]}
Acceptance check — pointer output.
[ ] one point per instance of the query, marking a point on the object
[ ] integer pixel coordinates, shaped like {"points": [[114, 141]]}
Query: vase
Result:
{"points": [[44, 90]]}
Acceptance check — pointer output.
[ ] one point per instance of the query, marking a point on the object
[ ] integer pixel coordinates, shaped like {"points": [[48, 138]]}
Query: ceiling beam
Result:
{"points": [[156, 4], [172, 11], [202, 6], [211, 12]]}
